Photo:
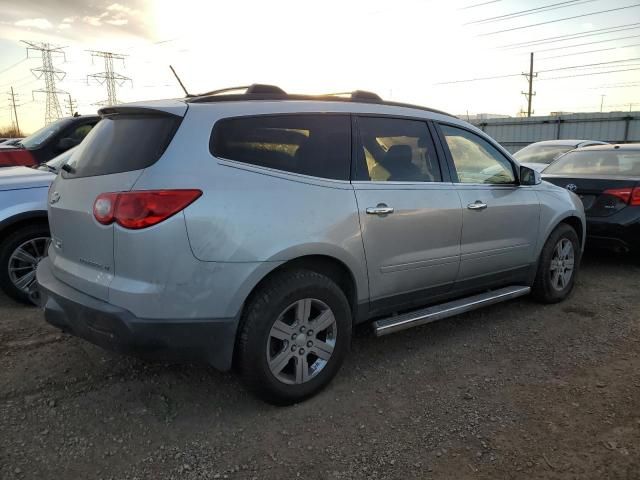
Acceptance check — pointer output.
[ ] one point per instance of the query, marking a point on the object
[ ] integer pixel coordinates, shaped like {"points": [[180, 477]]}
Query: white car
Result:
{"points": [[539, 155], [24, 228]]}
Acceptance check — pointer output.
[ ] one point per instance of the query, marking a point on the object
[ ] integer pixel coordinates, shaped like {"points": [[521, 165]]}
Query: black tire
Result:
{"points": [[7, 247], [262, 311], [543, 289]]}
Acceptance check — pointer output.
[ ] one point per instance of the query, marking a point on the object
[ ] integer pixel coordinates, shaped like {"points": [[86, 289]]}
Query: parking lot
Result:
{"points": [[518, 390]]}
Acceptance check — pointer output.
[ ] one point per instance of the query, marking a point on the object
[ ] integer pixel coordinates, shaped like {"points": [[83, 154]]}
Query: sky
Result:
{"points": [[404, 50]]}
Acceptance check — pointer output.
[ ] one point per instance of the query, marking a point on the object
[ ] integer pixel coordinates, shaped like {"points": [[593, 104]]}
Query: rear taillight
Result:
{"points": [[141, 209], [628, 195]]}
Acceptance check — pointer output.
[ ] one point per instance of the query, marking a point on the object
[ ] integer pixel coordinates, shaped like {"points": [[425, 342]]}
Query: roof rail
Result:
{"points": [[258, 91], [248, 89]]}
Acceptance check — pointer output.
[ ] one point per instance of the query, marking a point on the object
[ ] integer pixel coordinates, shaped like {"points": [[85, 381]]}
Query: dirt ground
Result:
{"points": [[517, 390]]}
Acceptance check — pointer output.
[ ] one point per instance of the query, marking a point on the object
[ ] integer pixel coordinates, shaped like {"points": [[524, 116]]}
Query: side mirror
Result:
{"points": [[529, 176], [66, 143]]}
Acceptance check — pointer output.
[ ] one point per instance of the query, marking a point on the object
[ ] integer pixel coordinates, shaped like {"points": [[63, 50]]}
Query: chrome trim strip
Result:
{"points": [[389, 325]]}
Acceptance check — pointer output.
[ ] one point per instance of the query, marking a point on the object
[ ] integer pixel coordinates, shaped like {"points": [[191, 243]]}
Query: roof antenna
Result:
{"points": [[180, 82]]}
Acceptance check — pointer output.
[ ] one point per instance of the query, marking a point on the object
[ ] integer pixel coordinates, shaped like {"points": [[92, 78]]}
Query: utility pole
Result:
{"points": [[530, 76], [109, 77], [50, 74], [15, 112], [71, 105], [601, 102]]}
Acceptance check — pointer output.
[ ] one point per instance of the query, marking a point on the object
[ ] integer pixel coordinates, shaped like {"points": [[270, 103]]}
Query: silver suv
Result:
{"points": [[256, 228]]}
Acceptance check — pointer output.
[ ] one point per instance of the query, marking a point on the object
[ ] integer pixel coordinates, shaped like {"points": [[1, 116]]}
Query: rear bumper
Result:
{"points": [[620, 231], [114, 328]]}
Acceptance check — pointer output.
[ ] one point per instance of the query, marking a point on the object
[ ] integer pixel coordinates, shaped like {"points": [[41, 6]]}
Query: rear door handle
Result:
{"points": [[477, 205], [380, 209]]}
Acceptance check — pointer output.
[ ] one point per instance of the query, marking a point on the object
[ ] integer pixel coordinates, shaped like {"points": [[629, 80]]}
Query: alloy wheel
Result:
{"points": [[562, 264], [301, 341], [24, 261]]}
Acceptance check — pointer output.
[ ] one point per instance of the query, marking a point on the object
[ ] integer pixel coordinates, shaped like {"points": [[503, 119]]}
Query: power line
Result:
{"points": [[14, 65], [589, 65], [531, 11], [590, 73], [633, 85], [479, 4], [591, 51], [539, 71], [479, 79], [587, 43], [572, 36], [559, 20]]}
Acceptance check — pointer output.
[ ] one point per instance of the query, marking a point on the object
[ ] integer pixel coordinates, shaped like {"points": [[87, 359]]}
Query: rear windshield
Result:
{"points": [[541, 154], [598, 162], [122, 143]]}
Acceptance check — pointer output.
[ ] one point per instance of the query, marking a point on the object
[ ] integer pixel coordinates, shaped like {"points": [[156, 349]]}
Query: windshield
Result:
{"points": [[598, 162], [541, 153], [38, 138]]}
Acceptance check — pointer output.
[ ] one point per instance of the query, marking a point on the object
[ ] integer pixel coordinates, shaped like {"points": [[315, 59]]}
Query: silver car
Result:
{"points": [[539, 155], [24, 232], [256, 228]]}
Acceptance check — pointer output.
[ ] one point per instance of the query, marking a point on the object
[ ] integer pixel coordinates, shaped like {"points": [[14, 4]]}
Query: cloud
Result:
{"points": [[116, 7], [41, 23], [118, 22], [93, 21]]}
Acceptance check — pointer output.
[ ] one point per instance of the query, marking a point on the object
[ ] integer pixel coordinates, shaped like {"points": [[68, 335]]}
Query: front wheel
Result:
{"points": [[20, 253], [558, 266], [295, 336]]}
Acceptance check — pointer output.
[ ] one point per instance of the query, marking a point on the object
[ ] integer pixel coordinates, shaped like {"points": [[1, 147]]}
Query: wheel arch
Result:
{"points": [[327, 265], [575, 223], [15, 222]]}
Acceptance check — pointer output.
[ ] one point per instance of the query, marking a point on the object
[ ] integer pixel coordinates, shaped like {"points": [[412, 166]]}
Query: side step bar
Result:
{"points": [[396, 323]]}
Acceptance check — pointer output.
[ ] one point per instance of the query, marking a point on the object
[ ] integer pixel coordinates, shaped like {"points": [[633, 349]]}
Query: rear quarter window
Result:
{"points": [[123, 143], [310, 144]]}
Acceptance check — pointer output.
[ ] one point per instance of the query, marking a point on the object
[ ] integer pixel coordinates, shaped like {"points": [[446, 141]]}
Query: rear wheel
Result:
{"points": [[295, 335], [20, 253], [558, 265]]}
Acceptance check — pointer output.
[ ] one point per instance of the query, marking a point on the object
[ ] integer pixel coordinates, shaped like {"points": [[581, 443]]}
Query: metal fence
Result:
{"points": [[515, 133]]}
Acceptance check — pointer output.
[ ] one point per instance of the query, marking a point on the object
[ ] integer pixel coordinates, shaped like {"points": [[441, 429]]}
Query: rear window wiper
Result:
{"points": [[68, 168]]}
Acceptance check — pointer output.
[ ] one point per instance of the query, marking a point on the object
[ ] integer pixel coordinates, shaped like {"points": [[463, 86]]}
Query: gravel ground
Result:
{"points": [[517, 390]]}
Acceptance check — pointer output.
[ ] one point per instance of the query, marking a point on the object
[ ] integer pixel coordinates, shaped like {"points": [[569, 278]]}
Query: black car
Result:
{"points": [[48, 142], [607, 179]]}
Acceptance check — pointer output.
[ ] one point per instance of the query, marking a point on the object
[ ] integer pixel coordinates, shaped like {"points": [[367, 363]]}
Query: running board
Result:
{"points": [[396, 323]]}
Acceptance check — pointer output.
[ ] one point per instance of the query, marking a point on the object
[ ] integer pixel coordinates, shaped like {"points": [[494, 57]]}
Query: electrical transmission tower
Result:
{"points": [[109, 77], [530, 94], [50, 74], [71, 105], [14, 112]]}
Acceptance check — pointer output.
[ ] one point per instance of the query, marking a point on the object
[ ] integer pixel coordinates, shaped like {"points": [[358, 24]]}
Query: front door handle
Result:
{"points": [[477, 205], [380, 209]]}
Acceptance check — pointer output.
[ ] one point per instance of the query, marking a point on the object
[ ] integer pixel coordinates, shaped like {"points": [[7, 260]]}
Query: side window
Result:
{"points": [[317, 145], [80, 132], [475, 159], [396, 150]]}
